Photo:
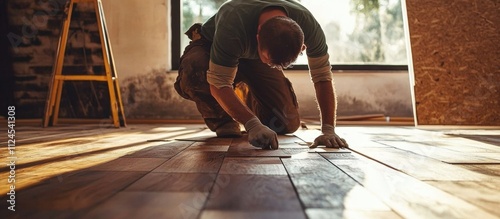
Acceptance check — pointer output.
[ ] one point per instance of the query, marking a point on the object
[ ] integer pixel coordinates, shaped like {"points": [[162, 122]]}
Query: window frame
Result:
{"points": [[175, 45]]}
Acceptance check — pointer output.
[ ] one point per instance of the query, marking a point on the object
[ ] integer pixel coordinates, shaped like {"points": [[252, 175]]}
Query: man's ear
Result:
{"points": [[304, 47]]}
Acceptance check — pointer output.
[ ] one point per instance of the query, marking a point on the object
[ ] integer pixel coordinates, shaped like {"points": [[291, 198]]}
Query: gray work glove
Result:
{"points": [[329, 138], [260, 135]]}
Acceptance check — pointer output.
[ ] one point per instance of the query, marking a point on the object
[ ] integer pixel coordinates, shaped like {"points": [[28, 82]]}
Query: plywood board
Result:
{"points": [[455, 45]]}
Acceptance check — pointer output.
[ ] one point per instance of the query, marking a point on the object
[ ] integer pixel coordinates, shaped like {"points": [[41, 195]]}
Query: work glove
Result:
{"points": [[260, 135], [329, 138]]}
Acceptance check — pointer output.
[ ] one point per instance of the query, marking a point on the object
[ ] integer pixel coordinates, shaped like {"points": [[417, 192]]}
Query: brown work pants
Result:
{"points": [[265, 90]]}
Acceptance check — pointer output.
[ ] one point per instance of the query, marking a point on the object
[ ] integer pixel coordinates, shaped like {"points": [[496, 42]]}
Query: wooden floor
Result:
{"points": [[183, 171]]}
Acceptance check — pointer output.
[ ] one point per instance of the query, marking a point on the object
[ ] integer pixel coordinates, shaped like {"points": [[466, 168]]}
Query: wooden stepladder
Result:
{"points": [[56, 86]]}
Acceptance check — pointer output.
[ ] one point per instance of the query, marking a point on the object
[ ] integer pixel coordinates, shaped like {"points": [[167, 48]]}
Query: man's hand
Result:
{"points": [[260, 135], [329, 138]]}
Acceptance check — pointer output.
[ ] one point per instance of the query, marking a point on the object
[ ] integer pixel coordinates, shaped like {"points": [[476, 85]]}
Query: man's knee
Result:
{"points": [[284, 124]]}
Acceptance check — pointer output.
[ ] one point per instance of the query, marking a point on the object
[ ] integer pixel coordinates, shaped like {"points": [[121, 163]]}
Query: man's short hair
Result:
{"points": [[282, 38]]}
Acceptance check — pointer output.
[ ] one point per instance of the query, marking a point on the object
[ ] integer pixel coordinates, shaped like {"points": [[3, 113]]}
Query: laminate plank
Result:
{"points": [[323, 149], [442, 154], [338, 156], [318, 213], [484, 194], [112, 143], [211, 140], [290, 139], [240, 147], [407, 196], [75, 191], [487, 169], [320, 184], [130, 164], [217, 214], [258, 166], [488, 139], [459, 144], [166, 150], [174, 182], [420, 167], [198, 135], [201, 146], [192, 161], [52, 214], [253, 193], [353, 139], [150, 205]]}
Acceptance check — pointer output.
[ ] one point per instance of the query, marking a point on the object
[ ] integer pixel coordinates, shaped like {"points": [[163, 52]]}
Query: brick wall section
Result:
{"points": [[34, 29]]}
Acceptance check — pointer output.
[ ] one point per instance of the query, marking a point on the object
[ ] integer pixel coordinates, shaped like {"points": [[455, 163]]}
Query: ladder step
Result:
{"points": [[81, 77]]}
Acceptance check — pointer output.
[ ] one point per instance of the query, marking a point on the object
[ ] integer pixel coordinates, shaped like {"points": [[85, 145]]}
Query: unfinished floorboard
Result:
{"points": [[419, 166], [192, 161], [253, 165], [321, 185], [443, 154], [407, 196]]}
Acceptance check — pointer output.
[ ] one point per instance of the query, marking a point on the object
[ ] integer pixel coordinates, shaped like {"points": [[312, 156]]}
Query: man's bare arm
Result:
{"points": [[327, 101], [259, 135], [231, 103]]}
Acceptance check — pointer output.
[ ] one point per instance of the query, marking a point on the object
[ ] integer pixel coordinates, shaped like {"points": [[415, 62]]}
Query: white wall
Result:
{"points": [[139, 35]]}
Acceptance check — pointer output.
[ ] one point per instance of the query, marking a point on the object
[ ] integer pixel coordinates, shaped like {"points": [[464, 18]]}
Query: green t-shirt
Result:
{"points": [[233, 30]]}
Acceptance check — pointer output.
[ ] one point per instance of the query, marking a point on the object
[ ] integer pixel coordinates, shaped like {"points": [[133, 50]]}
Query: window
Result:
{"points": [[361, 34]]}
